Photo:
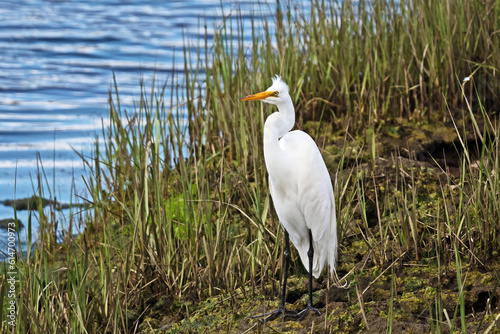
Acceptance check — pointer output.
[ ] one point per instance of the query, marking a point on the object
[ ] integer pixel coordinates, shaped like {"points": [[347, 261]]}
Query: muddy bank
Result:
{"points": [[10, 223], [33, 202], [415, 287]]}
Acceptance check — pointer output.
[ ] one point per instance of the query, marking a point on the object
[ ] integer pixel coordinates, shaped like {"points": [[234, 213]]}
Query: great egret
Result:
{"points": [[301, 190]]}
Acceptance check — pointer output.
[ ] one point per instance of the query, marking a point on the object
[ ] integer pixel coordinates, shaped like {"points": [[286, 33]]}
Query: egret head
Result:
{"points": [[276, 94]]}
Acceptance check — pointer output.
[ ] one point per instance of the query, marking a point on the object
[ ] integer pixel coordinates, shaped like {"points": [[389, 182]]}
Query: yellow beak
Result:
{"points": [[258, 96]]}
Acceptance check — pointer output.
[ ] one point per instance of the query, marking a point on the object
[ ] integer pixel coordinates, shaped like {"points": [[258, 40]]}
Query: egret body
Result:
{"points": [[301, 190]]}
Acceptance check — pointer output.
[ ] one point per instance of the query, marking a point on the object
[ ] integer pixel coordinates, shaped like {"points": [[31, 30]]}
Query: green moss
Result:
{"points": [[450, 297], [317, 296], [445, 132], [487, 279], [430, 293], [392, 130], [381, 294], [347, 317], [149, 325], [211, 315], [294, 325], [413, 283], [411, 301]]}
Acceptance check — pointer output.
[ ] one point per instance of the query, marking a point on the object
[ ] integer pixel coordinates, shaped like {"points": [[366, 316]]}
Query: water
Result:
{"points": [[56, 64]]}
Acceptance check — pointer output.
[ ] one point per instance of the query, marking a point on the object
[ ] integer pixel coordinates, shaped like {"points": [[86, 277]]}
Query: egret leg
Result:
{"points": [[309, 307], [281, 309]]}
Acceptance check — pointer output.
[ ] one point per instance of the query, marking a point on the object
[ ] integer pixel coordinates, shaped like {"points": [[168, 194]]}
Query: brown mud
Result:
{"points": [[409, 289]]}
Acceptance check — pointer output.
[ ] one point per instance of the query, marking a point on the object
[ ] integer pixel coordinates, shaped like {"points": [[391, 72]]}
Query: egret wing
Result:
{"points": [[308, 202]]}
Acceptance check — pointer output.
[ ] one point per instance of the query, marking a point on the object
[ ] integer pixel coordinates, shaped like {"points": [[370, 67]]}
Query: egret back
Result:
{"points": [[302, 194]]}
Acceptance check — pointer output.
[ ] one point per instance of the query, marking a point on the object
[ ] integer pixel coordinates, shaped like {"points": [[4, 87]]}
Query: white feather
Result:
{"points": [[301, 187]]}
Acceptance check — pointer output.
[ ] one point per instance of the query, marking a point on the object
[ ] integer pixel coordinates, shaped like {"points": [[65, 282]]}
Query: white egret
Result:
{"points": [[301, 190]]}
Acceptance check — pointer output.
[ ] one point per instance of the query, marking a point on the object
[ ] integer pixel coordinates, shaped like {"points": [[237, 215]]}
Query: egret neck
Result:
{"points": [[276, 126]]}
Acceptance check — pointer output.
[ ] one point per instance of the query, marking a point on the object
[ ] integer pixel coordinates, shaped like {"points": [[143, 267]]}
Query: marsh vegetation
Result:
{"points": [[182, 236]]}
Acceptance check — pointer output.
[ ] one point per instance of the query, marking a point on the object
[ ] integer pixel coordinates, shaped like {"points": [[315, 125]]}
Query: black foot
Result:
{"points": [[303, 313], [276, 313]]}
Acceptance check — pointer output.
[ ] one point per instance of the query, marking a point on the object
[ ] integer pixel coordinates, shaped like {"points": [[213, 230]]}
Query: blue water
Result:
{"points": [[56, 64]]}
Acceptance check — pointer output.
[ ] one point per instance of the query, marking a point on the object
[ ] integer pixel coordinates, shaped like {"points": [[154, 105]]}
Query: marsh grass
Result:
{"points": [[180, 206]]}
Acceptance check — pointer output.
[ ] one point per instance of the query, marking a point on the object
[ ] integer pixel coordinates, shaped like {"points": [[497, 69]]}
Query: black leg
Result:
{"points": [[281, 309], [309, 307], [288, 256]]}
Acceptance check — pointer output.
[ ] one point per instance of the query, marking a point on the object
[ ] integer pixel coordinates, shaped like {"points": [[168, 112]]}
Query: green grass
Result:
{"points": [[181, 211]]}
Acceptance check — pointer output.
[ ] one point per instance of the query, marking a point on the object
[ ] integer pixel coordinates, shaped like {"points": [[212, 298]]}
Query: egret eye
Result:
{"points": [[276, 93]]}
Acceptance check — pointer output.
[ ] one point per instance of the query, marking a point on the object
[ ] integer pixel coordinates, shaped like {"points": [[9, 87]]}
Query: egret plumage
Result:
{"points": [[301, 191]]}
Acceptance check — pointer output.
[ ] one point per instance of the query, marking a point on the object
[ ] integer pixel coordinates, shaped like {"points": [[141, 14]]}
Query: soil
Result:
{"points": [[404, 296], [408, 173], [404, 289]]}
